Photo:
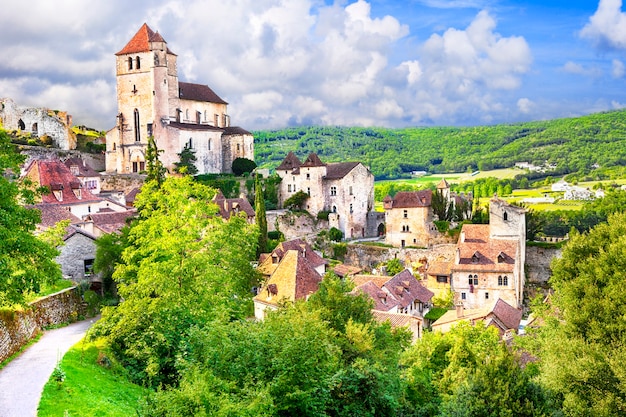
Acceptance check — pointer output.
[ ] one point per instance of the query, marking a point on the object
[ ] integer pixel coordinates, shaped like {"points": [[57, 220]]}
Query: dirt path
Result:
{"points": [[22, 381]]}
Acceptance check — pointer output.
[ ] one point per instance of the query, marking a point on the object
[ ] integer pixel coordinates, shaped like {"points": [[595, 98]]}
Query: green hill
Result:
{"points": [[574, 145]]}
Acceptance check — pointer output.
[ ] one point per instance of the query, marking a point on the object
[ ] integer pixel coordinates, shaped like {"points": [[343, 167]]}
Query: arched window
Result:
{"points": [[209, 144], [499, 279], [137, 134], [506, 216], [130, 63], [21, 125], [505, 280], [334, 209], [138, 63]]}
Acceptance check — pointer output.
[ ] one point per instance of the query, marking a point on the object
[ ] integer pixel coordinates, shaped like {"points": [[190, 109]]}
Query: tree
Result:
{"points": [[583, 344], [187, 161], [109, 249], [26, 261], [442, 208], [260, 215], [296, 201], [242, 166], [394, 266], [155, 169], [183, 266]]}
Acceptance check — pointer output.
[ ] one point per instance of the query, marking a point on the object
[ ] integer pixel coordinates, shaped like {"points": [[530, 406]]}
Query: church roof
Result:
{"points": [[235, 130], [198, 92], [443, 184], [141, 41]]}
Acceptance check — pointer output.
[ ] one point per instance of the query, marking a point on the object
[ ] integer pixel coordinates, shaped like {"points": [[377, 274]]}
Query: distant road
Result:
{"points": [[22, 380]]}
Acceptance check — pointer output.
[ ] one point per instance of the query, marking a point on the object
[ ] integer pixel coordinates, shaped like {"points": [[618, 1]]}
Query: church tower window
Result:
{"points": [[138, 60], [130, 63], [137, 134]]}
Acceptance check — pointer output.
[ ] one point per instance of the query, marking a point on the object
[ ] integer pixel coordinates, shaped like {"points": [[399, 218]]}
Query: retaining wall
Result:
{"points": [[18, 327]]}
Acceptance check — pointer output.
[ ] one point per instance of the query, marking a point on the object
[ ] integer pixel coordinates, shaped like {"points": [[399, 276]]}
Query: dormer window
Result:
{"points": [[74, 170], [501, 257], [475, 258]]}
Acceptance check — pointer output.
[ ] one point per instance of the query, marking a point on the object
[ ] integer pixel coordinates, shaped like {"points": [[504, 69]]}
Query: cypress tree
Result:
{"points": [[259, 211]]}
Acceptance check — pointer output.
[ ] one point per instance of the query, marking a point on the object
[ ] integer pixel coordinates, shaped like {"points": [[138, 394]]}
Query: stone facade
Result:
{"points": [[153, 102], [345, 189], [18, 327], [38, 122], [409, 219], [77, 255]]}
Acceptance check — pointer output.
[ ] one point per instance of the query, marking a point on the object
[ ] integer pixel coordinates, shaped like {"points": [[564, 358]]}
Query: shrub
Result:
{"points": [[323, 215], [335, 234], [243, 165], [339, 251], [296, 201]]}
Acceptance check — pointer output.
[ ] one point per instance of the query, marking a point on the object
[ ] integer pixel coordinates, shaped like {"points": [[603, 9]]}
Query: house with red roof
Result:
{"points": [[234, 207], [489, 260], [409, 219], [344, 189], [152, 102]]}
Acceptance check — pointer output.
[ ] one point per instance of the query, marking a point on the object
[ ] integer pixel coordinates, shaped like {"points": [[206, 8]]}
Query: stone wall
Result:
{"points": [[368, 256], [18, 327], [95, 161], [294, 224], [538, 262], [122, 182]]}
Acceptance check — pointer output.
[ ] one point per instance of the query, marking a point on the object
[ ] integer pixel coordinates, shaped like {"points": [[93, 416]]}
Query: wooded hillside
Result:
{"points": [[573, 144]]}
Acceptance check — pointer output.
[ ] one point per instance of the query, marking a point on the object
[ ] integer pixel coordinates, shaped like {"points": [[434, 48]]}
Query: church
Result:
{"points": [[153, 102]]}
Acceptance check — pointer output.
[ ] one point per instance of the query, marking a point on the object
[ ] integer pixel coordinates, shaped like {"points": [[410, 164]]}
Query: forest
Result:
{"points": [[586, 145]]}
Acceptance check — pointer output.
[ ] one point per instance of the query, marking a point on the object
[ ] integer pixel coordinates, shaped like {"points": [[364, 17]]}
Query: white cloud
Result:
{"points": [[618, 69], [574, 68], [525, 105], [607, 27]]}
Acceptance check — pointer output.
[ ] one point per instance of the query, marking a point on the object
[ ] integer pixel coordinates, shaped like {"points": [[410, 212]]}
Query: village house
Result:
{"points": [[89, 178], [489, 261], [152, 102], [409, 219], [498, 314], [292, 271], [438, 277], [233, 207], [344, 189]]}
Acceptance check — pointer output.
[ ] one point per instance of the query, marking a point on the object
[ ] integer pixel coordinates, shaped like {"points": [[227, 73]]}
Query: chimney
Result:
{"points": [[459, 310]]}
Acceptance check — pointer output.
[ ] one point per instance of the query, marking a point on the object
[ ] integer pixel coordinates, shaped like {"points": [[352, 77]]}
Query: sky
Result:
{"points": [[280, 63]]}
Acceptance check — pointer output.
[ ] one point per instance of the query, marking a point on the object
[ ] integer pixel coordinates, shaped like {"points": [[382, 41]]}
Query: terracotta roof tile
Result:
{"points": [[411, 199], [406, 288], [84, 170], [51, 214], [396, 319], [478, 252], [141, 41], [55, 175], [379, 280], [439, 268], [290, 162], [501, 315], [343, 270], [112, 221], [198, 92], [231, 206], [382, 300]]}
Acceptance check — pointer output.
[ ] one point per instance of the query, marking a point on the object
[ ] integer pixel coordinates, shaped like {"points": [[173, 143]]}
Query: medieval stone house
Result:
{"points": [[153, 102], [344, 189], [409, 219], [490, 258]]}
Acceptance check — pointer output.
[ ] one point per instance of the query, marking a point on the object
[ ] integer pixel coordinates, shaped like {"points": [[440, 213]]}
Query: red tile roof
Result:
{"points": [[313, 161], [198, 92], [112, 221], [411, 199], [84, 170], [51, 214], [382, 300], [508, 314], [56, 176], [300, 245], [141, 41], [231, 206], [343, 270], [478, 252]]}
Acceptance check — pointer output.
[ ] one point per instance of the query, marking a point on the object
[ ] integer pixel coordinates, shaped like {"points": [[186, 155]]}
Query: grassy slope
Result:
{"points": [[90, 389]]}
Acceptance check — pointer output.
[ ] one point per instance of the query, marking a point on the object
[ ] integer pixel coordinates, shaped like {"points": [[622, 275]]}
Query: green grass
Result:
{"points": [[90, 388]]}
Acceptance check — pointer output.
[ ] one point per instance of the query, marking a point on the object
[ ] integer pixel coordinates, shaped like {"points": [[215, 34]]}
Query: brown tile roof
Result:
{"points": [[294, 278], [132, 194], [342, 270], [439, 268], [141, 41], [73, 230], [112, 221], [290, 162], [55, 175], [235, 130], [84, 170], [339, 170], [406, 288], [232, 206], [382, 300], [270, 262], [478, 252], [379, 280], [51, 214], [501, 315], [313, 161], [396, 319], [198, 92], [411, 199], [194, 126]]}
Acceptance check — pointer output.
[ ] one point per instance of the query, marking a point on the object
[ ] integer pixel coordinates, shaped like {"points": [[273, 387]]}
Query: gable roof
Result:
{"points": [[412, 199], [51, 214], [439, 268], [293, 279], [198, 92], [383, 301], [501, 315], [343, 270], [74, 230], [112, 221], [443, 184], [56, 176], [339, 170], [378, 280], [140, 42], [270, 261], [84, 170], [406, 288], [290, 162], [478, 252], [313, 161], [231, 206]]}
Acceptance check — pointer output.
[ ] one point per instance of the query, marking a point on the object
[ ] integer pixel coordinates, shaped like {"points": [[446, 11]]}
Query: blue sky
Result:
{"points": [[355, 63]]}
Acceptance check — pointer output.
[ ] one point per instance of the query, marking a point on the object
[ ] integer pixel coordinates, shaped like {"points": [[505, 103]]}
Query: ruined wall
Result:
{"points": [[123, 183], [294, 225], [18, 327], [368, 256], [538, 262], [95, 161]]}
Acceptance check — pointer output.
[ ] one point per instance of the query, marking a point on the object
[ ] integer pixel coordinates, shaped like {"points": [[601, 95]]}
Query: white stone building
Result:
{"points": [[344, 189], [153, 102]]}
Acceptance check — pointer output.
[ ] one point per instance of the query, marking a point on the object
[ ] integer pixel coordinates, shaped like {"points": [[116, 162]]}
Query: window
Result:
{"points": [[205, 118], [149, 129], [442, 279], [238, 148], [351, 211], [137, 133], [88, 266], [503, 281], [406, 214], [486, 296], [130, 63], [209, 144], [186, 114], [334, 209], [333, 190], [288, 188], [308, 190], [350, 190], [505, 216], [190, 143], [156, 60], [463, 296], [473, 280], [308, 176], [216, 120], [135, 167], [138, 60]]}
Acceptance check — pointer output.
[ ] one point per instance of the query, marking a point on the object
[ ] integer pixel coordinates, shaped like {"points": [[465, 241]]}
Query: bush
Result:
{"points": [[335, 234], [323, 215], [296, 201], [275, 235], [243, 165], [339, 251], [442, 225]]}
